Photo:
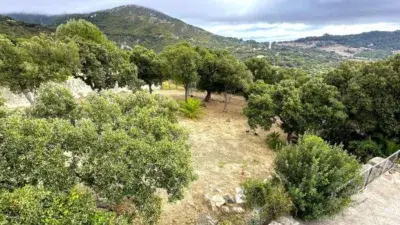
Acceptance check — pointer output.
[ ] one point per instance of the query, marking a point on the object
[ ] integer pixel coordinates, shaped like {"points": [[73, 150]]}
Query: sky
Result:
{"points": [[261, 20]]}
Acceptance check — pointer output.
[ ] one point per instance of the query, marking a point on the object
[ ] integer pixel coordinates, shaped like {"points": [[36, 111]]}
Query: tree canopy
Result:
{"points": [[182, 62], [149, 66], [121, 146], [28, 63], [299, 105], [103, 64]]}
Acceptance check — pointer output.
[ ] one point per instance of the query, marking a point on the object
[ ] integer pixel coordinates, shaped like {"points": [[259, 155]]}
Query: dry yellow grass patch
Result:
{"points": [[223, 155]]}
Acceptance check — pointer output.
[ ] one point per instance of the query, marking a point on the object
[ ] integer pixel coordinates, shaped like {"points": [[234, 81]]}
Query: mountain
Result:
{"points": [[133, 24], [15, 29], [379, 40]]}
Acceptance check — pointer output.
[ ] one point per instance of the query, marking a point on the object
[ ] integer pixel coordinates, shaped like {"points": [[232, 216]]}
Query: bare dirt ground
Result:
{"points": [[378, 204], [223, 155]]}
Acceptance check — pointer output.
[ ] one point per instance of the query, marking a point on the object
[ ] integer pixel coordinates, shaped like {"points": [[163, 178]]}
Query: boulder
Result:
{"points": [[238, 210], [229, 199], [375, 161], [225, 209], [218, 200], [239, 196], [206, 219], [287, 220]]}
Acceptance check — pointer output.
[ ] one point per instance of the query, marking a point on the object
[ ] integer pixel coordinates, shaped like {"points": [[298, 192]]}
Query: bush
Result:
{"points": [[316, 175], [54, 101], [35, 205], [274, 142], [192, 108], [271, 198]]}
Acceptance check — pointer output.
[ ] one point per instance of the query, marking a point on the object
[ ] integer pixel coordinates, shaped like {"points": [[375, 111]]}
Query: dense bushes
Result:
{"points": [[54, 101], [274, 141], [316, 175], [121, 146], [270, 198], [35, 205]]}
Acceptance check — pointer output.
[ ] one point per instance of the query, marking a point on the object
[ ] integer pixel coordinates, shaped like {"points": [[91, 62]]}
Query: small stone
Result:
{"points": [[238, 210], [218, 200], [228, 198], [219, 190], [225, 209]]}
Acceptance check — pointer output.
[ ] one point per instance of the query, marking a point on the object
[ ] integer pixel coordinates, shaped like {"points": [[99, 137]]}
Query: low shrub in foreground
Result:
{"points": [[316, 175], [192, 108], [270, 197], [274, 141]]}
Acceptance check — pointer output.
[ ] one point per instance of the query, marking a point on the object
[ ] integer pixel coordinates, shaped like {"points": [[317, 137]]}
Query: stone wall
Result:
{"points": [[77, 87]]}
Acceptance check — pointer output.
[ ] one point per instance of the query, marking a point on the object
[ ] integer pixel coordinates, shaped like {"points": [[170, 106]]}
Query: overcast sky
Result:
{"points": [[262, 20]]}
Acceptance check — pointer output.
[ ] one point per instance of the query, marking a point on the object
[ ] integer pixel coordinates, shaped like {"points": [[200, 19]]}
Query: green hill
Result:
{"points": [[15, 29], [133, 24], [379, 40]]}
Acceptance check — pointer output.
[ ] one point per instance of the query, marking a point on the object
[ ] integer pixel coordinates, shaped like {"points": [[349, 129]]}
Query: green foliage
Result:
{"points": [[192, 108], [316, 175], [374, 54], [376, 145], [301, 103], [274, 141], [24, 66], [35, 205], [17, 29], [374, 39], [54, 101], [370, 93], [263, 70], [149, 65], [182, 60], [113, 143], [103, 63], [221, 72], [270, 197]]}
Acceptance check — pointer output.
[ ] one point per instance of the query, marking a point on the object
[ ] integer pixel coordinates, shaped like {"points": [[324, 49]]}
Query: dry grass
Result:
{"points": [[223, 155]]}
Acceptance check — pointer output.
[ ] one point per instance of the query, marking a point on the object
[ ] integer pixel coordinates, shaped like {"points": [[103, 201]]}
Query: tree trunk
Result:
{"points": [[208, 97], [186, 92], [29, 96], [226, 102], [150, 90], [289, 137]]}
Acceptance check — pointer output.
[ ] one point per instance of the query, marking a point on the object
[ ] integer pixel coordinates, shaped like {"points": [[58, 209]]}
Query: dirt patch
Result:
{"points": [[223, 155]]}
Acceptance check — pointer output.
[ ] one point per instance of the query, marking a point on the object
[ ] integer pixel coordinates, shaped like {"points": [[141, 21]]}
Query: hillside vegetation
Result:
{"points": [[15, 29]]}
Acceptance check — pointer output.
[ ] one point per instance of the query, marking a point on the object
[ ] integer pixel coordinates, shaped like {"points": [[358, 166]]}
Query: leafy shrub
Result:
{"points": [[35, 205], [270, 197], [316, 175], [192, 108], [274, 141], [54, 101]]}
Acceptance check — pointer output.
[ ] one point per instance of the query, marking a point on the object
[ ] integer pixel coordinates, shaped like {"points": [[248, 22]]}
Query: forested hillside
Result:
{"points": [[14, 28], [138, 25], [375, 40]]}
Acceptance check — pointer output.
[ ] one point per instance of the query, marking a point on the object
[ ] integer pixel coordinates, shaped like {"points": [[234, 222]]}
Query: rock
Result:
{"points": [[238, 209], [239, 198], [375, 161], [366, 167], [228, 198], [239, 190], [205, 219], [219, 190], [218, 200], [225, 209], [274, 223], [287, 220]]}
